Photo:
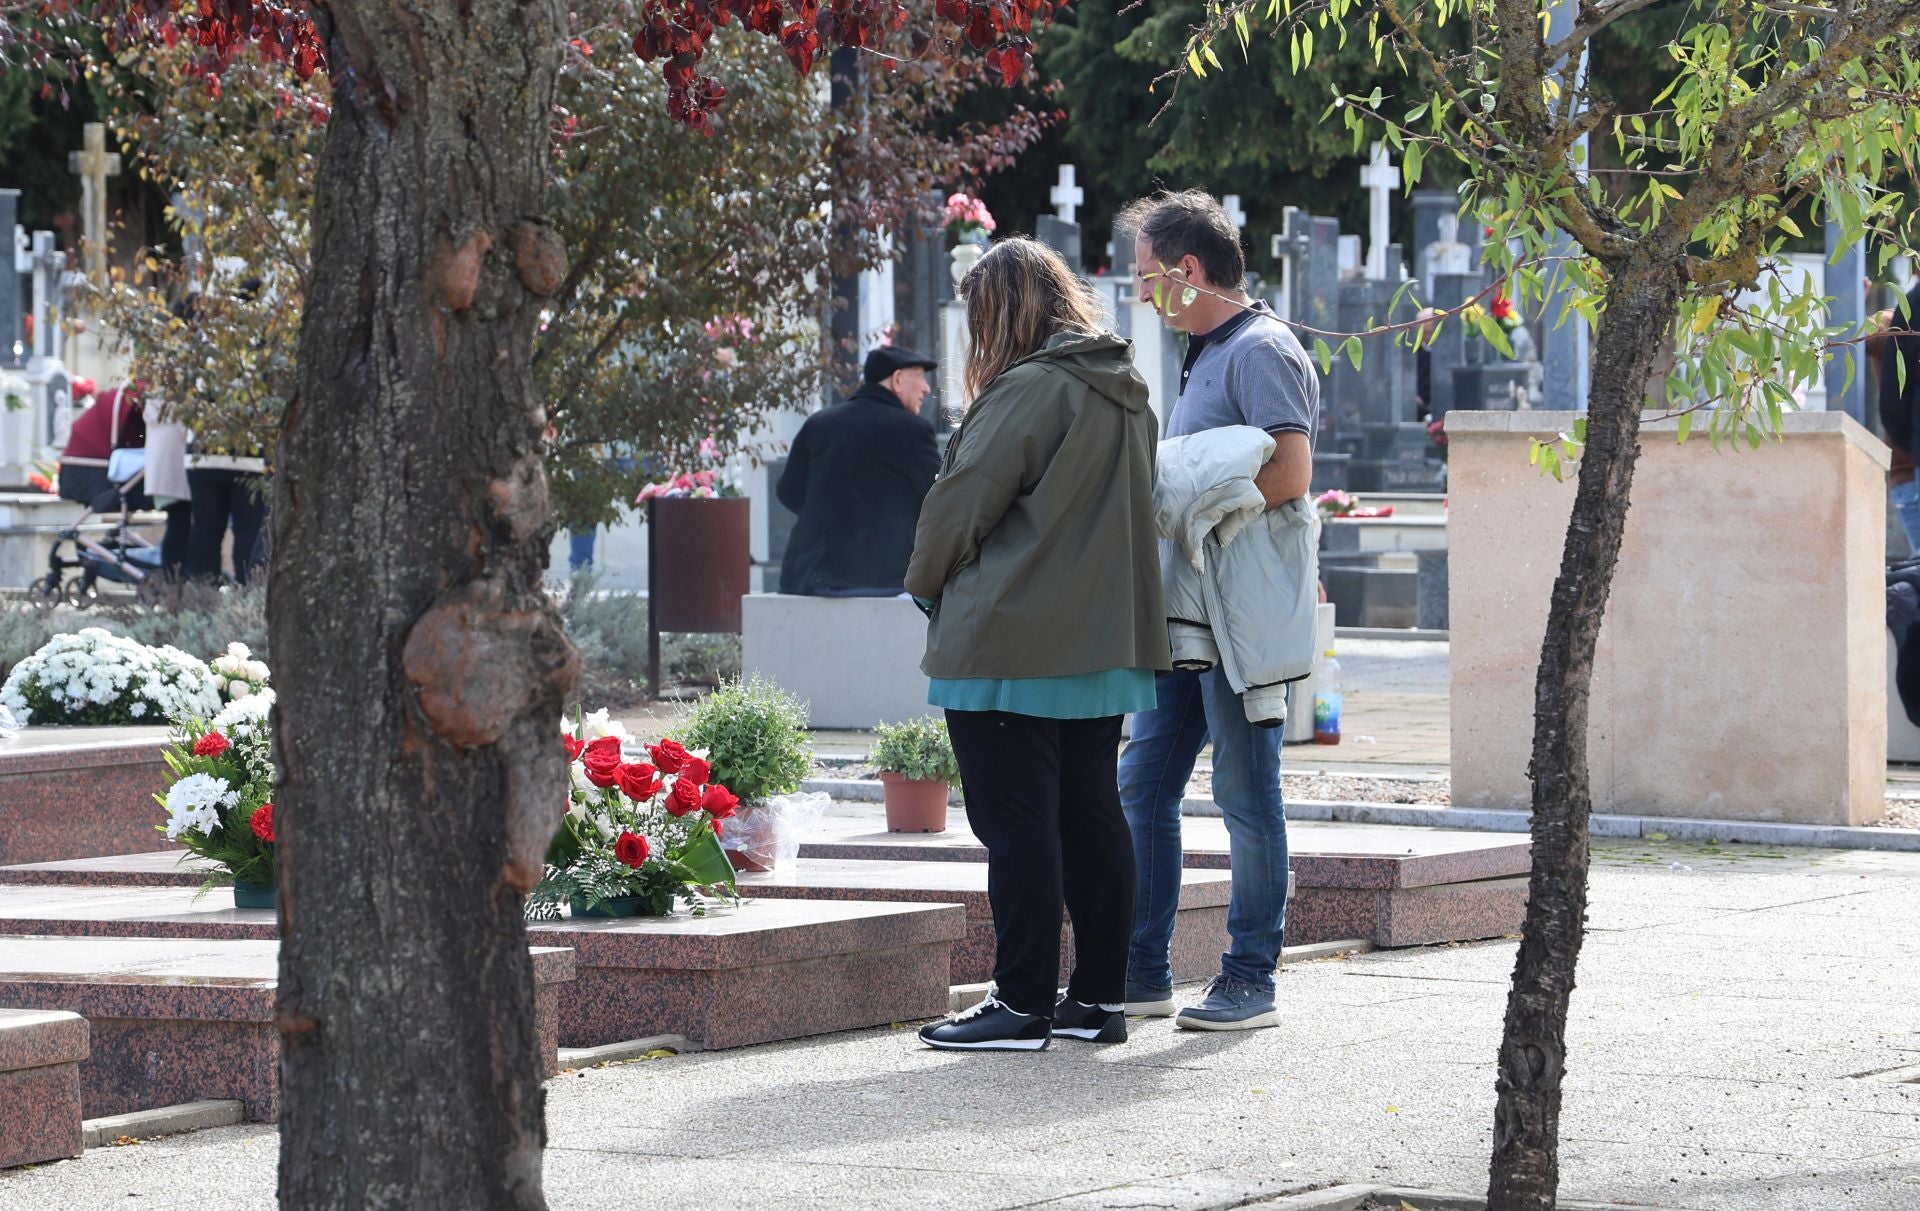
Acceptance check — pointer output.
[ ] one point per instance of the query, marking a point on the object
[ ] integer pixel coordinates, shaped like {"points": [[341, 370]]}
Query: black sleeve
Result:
{"points": [[923, 458], [1897, 400], [792, 488]]}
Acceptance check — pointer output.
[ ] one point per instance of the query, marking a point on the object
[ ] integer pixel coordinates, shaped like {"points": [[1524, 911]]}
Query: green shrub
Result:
{"points": [[918, 749], [610, 629], [755, 735]]}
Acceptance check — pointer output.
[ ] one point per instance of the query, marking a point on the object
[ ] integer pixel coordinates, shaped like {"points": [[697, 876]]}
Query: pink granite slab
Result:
{"points": [[159, 868], [726, 979], [767, 970], [176, 1020], [1321, 855], [40, 1114], [1199, 935], [77, 792], [1410, 916], [36, 1038], [40, 1054]]}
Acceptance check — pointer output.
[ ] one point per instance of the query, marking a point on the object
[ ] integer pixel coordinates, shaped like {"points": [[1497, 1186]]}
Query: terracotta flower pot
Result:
{"points": [[915, 805]]}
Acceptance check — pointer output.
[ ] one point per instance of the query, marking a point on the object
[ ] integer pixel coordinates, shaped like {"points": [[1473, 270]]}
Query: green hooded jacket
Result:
{"points": [[1037, 542]]}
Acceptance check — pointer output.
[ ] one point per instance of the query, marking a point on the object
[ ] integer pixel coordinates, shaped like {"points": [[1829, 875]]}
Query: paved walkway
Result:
{"points": [[1731, 1014]]}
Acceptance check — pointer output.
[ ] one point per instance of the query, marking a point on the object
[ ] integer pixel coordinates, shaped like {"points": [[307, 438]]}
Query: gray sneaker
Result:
{"points": [[1143, 1002], [1230, 1004]]}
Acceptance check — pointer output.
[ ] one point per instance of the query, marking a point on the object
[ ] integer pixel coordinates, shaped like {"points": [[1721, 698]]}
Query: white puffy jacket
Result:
{"points": [[1241, 579]]}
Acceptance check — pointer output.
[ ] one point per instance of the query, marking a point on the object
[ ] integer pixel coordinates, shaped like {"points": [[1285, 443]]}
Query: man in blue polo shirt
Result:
{"points": [[1243, 367]]}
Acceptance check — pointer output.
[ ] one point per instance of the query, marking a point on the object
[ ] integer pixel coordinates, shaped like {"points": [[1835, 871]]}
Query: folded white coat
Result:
{"points": [[1241, 579]]}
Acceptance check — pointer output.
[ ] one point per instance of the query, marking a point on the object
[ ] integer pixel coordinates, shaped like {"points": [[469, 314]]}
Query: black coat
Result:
{"points": [[856, 476], [1900, 401]]}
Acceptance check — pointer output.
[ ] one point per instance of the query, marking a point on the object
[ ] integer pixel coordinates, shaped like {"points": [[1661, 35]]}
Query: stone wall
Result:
{"points": [[1741, 670]]}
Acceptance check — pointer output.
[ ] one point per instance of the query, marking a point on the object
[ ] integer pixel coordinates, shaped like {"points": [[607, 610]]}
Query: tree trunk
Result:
{"points": [[421, 671], [1642, 300]]}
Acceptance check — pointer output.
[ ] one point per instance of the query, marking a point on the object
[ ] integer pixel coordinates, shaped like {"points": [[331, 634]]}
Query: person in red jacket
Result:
{"points": [[112, 422]]}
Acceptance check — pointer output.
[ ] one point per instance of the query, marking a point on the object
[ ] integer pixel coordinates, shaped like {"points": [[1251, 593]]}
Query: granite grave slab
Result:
{"points": [[75, 792], [727, 979], [1350, 881], [175, 1020], [40, 1055], [1199, 936]]}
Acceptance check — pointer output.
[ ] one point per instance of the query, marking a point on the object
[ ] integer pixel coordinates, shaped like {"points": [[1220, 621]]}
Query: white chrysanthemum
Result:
{"points": [[195, 802], [241, 716]]}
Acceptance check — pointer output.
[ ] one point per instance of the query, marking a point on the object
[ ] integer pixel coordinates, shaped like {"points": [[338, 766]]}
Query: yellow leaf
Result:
{"points": [[1703, 319], [1790, 227], [1392, 1109]]}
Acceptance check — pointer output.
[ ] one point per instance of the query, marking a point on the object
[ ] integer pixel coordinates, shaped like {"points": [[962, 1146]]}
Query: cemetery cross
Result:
{"points": [[1379, 178], [1066, 196], [93, 164]]}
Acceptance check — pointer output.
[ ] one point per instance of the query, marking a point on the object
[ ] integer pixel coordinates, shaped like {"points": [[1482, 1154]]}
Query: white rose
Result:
{"points": [[239, 651], [256, 670]]}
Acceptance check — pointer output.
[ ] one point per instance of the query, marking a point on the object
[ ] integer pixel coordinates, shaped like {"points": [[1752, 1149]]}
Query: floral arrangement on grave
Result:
{"points": [[219, 797], [755, 735], [1335, 503], [92, 676], [968, 219], [237, 674], [1500, 315], [705, 484], [635, 834]]}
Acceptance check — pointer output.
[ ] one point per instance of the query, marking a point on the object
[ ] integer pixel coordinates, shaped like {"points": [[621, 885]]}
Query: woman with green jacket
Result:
{"points": [[1037, 558]]}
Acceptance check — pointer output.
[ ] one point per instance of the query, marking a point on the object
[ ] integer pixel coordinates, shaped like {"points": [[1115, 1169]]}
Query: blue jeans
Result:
{"points": [[1154, 770], [1906, 505]]}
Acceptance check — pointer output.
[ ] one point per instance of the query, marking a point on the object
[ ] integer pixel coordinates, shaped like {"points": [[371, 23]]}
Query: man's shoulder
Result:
{"points": [[1265, 330]]}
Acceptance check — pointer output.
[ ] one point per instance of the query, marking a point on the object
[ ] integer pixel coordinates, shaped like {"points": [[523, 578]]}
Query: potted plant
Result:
{"points": [[755, 735], [220, 777], [635, 833], [915, 761]]}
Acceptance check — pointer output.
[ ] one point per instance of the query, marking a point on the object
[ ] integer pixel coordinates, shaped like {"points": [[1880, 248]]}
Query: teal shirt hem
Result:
{"points": [[1076, 696]]}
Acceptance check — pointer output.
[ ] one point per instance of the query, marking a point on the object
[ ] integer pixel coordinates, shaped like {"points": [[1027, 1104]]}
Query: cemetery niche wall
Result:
{"points": [[1741, 669]]}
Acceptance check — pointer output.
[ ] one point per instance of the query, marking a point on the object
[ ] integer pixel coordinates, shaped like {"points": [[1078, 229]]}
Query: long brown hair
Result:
{"points": [[1019, 296]]}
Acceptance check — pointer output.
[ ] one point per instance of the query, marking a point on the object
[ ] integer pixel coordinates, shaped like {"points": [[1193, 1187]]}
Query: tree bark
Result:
{"points": [[1637, 326], [420, 669]]}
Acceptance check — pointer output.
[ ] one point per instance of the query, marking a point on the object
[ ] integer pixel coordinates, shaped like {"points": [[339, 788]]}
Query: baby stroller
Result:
{"points": [[104, 471]]}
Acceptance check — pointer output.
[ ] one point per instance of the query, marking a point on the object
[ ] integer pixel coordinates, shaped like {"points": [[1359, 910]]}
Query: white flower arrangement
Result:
{"points": [[195, 802], [237, 674], [95, 677], [242, 717]]}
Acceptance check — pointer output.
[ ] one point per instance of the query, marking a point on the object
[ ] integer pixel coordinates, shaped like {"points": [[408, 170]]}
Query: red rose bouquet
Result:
{"points": [[634, 834]]}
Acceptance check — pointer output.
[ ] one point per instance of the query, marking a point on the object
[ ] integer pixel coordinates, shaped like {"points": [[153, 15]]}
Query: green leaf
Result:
{"points": [[1323, 354], [1685, 427], [1353, 351], [703, 863]]}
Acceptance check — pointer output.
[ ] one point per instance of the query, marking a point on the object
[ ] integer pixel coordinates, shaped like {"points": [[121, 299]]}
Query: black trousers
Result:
{"points": [[219, 496], [1043, 795]]}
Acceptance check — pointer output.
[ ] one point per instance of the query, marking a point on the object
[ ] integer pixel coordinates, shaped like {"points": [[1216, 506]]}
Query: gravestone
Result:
{"points": [[1061, 236], [13, 331], [1380, 179]]}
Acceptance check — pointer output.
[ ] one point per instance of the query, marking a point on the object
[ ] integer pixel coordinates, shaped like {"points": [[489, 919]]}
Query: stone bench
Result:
{"points": [[40, 1056], [176, 1020], [1389, 885], [778, 969], [74, 792], [855, 661], [1199, 936]]}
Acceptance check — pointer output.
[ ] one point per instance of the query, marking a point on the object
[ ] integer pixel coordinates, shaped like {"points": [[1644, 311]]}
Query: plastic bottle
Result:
{"points": [[1326, 704]]}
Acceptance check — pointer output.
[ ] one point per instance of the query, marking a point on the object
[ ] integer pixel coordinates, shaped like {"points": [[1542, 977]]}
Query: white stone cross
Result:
{"points": [[1379, 178], [93, 164], [1235, 215], [1066, 196]]}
